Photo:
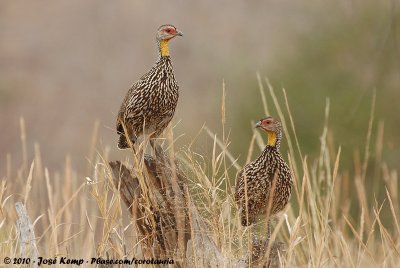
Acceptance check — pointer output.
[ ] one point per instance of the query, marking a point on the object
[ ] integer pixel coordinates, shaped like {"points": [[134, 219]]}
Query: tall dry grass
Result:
{"points": [[336, 217]]}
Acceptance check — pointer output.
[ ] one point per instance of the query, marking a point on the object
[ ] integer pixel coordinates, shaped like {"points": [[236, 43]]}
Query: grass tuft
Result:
{"points": [[336, 218]]}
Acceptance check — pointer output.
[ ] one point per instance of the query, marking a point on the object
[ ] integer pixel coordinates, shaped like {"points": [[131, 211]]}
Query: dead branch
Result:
{"points": [[27, 246]]}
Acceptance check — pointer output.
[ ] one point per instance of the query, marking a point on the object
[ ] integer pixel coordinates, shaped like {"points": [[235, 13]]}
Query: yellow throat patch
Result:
{"points": [[164, 48], [271, 138]]}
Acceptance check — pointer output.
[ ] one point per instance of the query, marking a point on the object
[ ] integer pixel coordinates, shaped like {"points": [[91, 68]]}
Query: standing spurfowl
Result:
{"points": [[268, 179], [150, 104]]}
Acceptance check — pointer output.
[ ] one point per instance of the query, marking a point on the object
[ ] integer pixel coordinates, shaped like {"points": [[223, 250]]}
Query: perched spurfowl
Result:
{"points": [[150, 104], [268, 179]]}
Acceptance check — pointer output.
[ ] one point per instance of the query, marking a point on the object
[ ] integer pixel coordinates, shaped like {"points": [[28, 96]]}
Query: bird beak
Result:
{"points": [[178, 33], [258, 124]]}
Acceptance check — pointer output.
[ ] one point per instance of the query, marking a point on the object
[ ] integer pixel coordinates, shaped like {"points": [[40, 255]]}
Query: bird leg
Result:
{"points": [[154, 145], [268, 230], [157, 148], [254, 232]]}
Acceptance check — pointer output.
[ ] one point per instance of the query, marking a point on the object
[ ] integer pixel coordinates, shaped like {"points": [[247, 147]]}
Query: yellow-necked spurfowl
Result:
{"points": [[263, 187], [150, 104]]}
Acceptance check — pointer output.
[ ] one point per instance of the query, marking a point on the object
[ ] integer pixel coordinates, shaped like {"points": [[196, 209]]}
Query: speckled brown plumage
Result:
{"points": [[150, 104], [266, 177]]}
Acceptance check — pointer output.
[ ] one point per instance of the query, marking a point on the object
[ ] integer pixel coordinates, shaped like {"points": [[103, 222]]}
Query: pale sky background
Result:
{"points": [[65, 64]]}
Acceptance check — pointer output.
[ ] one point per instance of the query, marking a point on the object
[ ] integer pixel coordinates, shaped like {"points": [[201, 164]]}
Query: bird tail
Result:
{"points": [[245, 219], [122, 142]]}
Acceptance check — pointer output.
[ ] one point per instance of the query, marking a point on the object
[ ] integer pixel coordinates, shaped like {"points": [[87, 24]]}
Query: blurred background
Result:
{"points": [[66, 64]]}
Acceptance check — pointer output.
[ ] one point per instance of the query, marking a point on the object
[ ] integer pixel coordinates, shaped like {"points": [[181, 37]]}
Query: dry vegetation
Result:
{"points": [[334, 218]]}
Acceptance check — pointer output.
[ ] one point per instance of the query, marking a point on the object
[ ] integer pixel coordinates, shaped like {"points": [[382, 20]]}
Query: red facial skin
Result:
{"points": [[266, 122], [170, 31]]}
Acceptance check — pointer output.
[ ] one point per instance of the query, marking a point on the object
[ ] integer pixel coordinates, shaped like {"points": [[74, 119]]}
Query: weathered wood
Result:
{"points": [[27, 239], [152, 203]]}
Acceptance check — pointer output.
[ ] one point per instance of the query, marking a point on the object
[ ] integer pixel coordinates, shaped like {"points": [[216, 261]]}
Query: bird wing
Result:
{"points": [[131, 107], [258, 182]]}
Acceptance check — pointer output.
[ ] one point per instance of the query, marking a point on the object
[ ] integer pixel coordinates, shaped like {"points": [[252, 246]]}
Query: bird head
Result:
{"points": [[273, 128], [167, 32], [164, 34]]}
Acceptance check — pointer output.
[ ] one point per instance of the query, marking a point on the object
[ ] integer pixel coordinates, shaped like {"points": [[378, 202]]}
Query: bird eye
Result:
{"points": [[168, 30], [268, 122]]}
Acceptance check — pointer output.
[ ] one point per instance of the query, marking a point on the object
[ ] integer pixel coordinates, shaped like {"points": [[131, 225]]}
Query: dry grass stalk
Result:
{"points": [[24, 146]]}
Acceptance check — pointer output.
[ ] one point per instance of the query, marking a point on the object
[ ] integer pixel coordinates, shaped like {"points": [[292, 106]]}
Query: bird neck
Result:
{"points": [[274, 138], [163, 48]]}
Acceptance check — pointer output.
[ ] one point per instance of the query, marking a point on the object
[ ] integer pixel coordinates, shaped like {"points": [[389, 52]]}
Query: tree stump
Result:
{"points": [[165, 217]]}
